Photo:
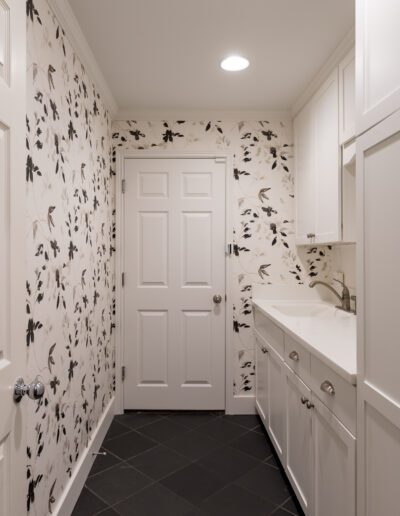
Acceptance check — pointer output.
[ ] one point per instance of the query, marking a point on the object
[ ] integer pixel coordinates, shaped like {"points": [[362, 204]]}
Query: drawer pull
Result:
{"points": [[310, 235], [304, 400], [309, 405], [294, 356], [264, 349], [327, 387]]}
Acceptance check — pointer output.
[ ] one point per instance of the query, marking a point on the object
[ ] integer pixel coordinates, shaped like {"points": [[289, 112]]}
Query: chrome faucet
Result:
{"points": [[344, 298]]}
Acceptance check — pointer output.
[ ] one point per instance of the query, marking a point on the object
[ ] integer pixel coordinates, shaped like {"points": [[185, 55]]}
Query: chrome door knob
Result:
{"points": [[217, 298], [34, 390]]}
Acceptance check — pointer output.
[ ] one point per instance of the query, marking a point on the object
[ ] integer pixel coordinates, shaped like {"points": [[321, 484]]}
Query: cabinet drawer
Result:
{"points": [[270, 331], [297, 358], [337, 394]]}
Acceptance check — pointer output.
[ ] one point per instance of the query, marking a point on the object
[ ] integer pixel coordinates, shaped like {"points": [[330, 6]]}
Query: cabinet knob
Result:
{"points": [[264, 349], [310, 235], [304, 400], [328, 388], [293, 355]]}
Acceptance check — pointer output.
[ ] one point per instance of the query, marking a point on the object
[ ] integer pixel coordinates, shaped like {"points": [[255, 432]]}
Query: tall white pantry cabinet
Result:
{"points": [[378, 194]]}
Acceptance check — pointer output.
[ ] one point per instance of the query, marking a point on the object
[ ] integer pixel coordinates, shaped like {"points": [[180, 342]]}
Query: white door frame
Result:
{"points": [[121, 155]]}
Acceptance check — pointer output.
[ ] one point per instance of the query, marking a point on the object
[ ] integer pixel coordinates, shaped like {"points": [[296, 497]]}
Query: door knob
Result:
{"points": [[217, 298], [34, 390]]}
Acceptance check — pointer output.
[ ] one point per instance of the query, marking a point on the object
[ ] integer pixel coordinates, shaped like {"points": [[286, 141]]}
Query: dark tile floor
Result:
{"points": [[186, 464]]}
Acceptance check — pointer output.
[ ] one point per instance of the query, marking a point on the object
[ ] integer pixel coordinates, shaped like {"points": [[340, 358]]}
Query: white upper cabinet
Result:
{"points": [[327, 167], [305, 177], [317, 167], [347, 98], [377, 61]]}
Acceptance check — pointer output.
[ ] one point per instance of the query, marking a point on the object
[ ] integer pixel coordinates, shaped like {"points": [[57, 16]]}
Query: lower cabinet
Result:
{"points": [[315, 448], [299, 438], [334, 458]]}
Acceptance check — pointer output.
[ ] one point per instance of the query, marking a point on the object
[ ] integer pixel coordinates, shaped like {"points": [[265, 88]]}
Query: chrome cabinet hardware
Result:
{"points": [[217, 298], [264, 349], [293, 355], [328, 388], [304, 400], [310, 235], [309, 405], [34, 390]]}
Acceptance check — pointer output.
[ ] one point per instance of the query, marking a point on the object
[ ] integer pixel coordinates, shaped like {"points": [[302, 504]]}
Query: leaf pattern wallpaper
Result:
{"points": [[71, 145], [69, 236], [262, 207]]}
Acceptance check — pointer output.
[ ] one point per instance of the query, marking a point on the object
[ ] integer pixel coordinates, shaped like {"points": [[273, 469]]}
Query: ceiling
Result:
{"points": [[165, 54]]}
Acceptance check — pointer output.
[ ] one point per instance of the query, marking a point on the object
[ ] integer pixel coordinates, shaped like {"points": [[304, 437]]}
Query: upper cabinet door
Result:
{"points": [[377, 61], [347, 98], [326, 162], [304, 175]]}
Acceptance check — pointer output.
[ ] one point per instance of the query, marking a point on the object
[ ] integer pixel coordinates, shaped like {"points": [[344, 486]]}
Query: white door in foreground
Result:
{"points": [[12, 254], [174, 254]]}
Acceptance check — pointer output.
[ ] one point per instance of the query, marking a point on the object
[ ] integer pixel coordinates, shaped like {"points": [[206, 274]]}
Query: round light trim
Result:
{"points": [[234, 63]]}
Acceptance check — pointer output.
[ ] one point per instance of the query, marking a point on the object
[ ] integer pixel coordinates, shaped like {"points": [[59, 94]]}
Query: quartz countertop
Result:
{"points": [[327, 332]]}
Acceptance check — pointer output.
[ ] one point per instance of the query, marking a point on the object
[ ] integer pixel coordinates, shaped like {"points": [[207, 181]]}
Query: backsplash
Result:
{"points": [[262, 208], [70, 267]]}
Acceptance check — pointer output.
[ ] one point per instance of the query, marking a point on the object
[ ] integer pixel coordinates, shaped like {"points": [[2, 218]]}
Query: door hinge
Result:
{"points": [[229, 249], [123, 371], [123, 186], [123, 279]]}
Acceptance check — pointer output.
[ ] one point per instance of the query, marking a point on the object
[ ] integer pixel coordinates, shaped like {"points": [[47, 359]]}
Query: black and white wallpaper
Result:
{"points": [[262, 208], [69, 245]]}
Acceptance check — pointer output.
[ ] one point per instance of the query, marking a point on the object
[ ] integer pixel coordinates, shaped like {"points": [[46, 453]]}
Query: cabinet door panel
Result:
{"points": [[377, 61], [334, 464], [304, 175], [261, 379], [298, 439], [276, 402], [326, 156]]}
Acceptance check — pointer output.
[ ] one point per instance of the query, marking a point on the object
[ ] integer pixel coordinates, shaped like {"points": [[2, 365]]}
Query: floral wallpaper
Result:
{"points": [[69, 237], [262, 209]]}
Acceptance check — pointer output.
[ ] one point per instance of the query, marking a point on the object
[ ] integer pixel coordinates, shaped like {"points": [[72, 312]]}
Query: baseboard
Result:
{"points": [[75, 484], [241, 405]]}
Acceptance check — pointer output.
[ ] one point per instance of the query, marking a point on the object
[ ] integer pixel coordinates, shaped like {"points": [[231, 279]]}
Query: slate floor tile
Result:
{"points": [[223, 431], [228, 463], [194, 444], [265, 482], [129, 445], [103, 462], [193, 483], [192, 421], [138, 419], [115, 430], [163, 430], [250, 422], [235, 501], [154, 500], [253, 444], [117, 483], [88, 504], [293, 506], [158, 462]]}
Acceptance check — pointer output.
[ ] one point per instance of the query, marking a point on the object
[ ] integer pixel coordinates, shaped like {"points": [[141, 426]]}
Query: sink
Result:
{"points": [[303, 309]]}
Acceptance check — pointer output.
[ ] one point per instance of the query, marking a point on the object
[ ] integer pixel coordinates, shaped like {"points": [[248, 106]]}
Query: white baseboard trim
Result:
{"points": [[75, 484], [241, 405]]}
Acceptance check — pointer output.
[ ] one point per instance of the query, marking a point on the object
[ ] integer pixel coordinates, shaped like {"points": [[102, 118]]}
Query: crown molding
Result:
{"points": [[334, 59], [201, 115], [73, 31]]}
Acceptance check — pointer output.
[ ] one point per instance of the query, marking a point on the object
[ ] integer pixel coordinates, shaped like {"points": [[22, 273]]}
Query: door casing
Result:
{"points": [[230, 405]]}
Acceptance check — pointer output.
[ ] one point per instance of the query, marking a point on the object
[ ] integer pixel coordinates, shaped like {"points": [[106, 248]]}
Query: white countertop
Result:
{"points": [[330, 336]]}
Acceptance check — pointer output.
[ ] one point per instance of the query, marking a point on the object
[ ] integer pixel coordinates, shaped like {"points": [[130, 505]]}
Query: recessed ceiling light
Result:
{"points": [[234, 63]]}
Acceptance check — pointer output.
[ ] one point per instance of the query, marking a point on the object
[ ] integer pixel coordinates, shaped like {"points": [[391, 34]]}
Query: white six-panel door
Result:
{"points": [[12, 254], [174, 264]]}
